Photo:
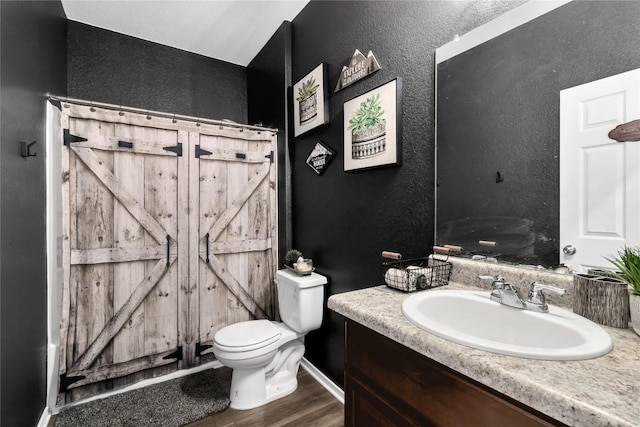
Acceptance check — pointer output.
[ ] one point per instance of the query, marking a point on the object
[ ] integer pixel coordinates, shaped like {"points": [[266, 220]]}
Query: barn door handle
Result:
{"points": [[125, 144], [168, 248], [206, 242]]}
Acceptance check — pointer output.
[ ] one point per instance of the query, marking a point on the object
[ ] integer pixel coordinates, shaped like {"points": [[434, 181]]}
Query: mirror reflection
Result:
{"points": [[498, 128]]}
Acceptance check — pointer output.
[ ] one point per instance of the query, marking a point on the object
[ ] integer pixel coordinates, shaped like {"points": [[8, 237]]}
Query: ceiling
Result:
{"points": [[228, 30]]}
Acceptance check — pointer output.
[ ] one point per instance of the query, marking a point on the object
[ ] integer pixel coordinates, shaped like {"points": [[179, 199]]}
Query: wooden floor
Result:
{"points": [[311, 405]]}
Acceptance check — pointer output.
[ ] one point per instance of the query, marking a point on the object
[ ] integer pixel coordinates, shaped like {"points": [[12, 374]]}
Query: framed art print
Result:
{"points": [[320, 157], [372, 134], [310, 106]]}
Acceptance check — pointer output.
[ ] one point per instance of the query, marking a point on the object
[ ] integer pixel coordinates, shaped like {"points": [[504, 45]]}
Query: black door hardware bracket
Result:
{"points": [[25, 149]]}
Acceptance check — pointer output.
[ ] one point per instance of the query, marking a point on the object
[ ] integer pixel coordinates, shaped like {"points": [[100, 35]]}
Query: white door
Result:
{"points": [[599, 177]]}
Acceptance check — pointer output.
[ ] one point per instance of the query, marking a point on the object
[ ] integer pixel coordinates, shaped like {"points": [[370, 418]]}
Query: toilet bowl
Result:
{"points": [[264, 354]]}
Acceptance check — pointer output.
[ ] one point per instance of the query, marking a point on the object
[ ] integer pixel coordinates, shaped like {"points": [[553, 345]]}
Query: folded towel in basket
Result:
{"points": [[408, 279], [419, 277], [396, 278]]}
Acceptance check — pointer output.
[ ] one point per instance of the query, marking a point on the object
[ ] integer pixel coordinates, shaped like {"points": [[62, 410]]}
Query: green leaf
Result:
{"points": [[628, 264], [307, 89], [368, 115]]}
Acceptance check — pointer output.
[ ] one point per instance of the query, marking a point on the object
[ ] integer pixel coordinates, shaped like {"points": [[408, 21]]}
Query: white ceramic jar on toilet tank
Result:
{"points": [[265, 355]]}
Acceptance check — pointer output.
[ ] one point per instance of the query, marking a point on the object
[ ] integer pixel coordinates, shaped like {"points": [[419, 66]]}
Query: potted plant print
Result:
{"points": [[308, 100], [367, 126]]}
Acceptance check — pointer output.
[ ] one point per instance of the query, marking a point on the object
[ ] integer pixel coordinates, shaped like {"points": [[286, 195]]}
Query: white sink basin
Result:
{"points": [[472, 319]]}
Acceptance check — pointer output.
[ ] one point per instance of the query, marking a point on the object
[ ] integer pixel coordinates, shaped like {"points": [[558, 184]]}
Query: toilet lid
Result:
{"points": [[249, 335]]}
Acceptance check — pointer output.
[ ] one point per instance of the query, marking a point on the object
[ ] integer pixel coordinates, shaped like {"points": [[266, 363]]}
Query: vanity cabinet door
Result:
{"points": [[364, 407], [392, 382]]}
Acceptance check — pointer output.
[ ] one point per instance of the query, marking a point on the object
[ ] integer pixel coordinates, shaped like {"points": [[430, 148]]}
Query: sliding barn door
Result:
{"points": [[169, 234], [234, 227]]}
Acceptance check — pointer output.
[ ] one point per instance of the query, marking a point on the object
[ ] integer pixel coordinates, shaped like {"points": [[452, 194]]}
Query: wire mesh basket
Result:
{"points": [[417, 273]]}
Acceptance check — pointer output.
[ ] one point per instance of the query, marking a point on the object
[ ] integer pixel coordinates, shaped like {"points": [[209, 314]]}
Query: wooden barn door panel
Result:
{"points": [[121, 297], [91, 285], [233, 232]]}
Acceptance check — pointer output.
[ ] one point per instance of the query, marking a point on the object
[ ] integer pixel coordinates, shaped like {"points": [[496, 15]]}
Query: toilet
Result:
{"points": [[265, 355]]}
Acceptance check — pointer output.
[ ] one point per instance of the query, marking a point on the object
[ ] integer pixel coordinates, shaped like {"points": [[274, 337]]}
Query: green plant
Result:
{"points": [[292, 256], [307, 89], [368, 115], [628, 262]]}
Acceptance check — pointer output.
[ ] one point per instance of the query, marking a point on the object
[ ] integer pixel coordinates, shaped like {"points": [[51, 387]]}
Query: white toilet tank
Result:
{"points": [[300, 300]]}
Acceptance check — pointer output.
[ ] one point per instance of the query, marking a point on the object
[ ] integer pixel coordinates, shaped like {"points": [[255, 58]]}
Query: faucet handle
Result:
{"points": [[489, 277], [497, 279], [536, 293], [498, 282]]}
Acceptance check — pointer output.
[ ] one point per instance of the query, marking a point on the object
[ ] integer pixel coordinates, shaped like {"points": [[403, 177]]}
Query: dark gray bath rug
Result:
{"points": [[171, 403]]}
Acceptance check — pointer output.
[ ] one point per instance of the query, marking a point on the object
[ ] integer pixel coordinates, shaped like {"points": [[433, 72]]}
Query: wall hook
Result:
{"points": [[25, 149]]}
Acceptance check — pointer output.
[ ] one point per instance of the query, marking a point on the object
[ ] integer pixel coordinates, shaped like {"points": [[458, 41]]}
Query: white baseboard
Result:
{"points": [[319, 376], [44, 418]]}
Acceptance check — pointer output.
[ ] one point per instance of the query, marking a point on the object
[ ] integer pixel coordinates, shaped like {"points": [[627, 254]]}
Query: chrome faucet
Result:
{"points": [[507, 294]]}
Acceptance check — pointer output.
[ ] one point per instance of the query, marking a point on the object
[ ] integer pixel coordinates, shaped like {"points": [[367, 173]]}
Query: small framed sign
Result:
{"points": [[320, 157], [372, 122], [359, 67], [310, 106]]}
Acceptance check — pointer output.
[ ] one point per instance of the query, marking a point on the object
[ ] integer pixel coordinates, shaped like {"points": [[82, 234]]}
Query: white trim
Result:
{"points": [[144, 383], [435, 154], [506, 22], [324, 381], [53, 178], [45, 418]]}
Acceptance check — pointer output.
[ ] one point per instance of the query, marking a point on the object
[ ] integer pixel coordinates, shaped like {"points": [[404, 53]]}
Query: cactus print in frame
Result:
{"points": [[310, 106], [372, 134]]}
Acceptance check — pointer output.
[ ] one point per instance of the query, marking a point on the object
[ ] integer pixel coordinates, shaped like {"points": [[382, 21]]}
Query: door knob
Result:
{"points": [[569, 250]]}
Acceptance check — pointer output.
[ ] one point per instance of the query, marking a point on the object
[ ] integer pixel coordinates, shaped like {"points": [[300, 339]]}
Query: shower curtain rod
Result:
{"points": [[156, 113]]}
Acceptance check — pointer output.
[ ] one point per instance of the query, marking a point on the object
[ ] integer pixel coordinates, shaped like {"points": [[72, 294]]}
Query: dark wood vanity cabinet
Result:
{"points": [[388, 384]]}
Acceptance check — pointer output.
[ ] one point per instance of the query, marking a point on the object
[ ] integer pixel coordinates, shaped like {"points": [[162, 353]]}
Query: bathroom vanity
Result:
{"points": [[387, 383], [398, 374]]}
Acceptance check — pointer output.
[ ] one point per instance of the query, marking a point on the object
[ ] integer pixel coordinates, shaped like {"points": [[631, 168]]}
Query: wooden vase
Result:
{"points": [[605, 300]]}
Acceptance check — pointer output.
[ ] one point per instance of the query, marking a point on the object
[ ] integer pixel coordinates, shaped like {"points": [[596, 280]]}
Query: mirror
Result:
{"points": [[497, 121]]}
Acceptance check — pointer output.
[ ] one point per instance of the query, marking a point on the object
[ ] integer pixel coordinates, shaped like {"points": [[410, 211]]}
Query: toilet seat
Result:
{"points": [[247, 336]]}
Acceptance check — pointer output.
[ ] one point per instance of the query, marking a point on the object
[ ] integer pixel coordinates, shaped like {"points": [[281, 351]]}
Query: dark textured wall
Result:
{"points": [[499, 110], [268, 79], [33, 63], [344, 220], [109, 67]]}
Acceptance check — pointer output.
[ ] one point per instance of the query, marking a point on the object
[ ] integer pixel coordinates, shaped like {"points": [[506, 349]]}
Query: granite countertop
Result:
{"points": [[597, 392]]}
